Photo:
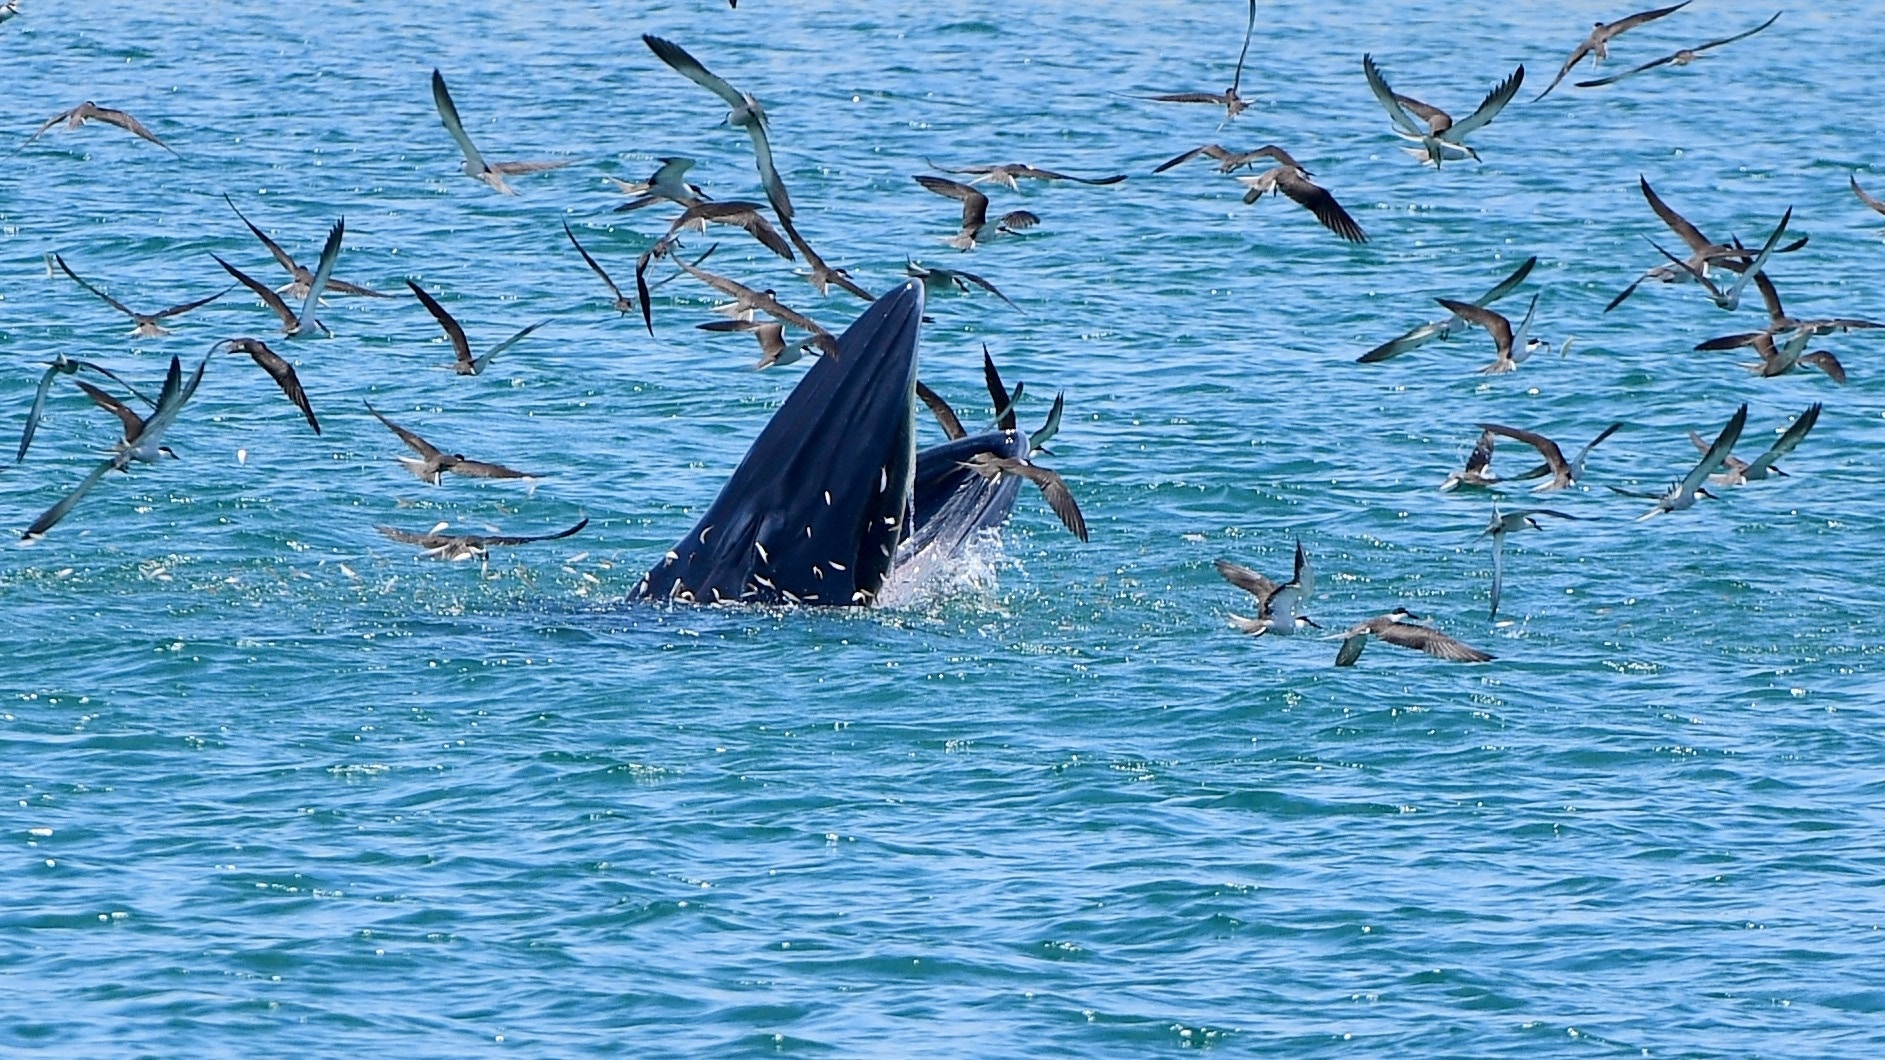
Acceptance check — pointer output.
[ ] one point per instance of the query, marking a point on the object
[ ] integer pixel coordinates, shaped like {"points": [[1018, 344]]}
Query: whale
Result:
{"points": [[833, 497]]}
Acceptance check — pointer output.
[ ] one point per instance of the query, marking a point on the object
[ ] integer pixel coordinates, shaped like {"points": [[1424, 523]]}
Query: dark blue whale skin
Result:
{"points": [[815, 511]]}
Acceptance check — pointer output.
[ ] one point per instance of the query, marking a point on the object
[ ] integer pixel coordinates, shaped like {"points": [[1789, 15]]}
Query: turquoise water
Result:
{"points": [[276, 784]]}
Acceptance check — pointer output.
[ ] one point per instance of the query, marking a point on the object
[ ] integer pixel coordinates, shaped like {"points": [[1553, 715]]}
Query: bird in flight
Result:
{"points": [[296, 325], [1009, 172], [1597, 43], [1232, 103], [1741, 472], [1280, 607], [1059, 498], [301, 277], [976, 227], [1514, 346], [623, 304], [1478, 471], [937, 278], [1291, 179], [432, 462], [277, 368], [464, 363], [1682, 495], [1503, 524], [1682, 57], [441, 545], [89, 111], [58, 366], [1563, 472], [745, 113], [1443, 139], [1439, 329], [475, 166], [1393, 628], [668, 183], [149, 325], [142, 443]]}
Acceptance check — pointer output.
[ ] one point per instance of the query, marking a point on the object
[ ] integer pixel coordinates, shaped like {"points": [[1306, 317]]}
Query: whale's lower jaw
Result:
{"points": [[952, 501], [815, 511], [952, 505]]}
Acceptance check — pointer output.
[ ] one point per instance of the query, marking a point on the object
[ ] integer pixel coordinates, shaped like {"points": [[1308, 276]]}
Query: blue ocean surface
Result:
{"points": [[275, 785]]}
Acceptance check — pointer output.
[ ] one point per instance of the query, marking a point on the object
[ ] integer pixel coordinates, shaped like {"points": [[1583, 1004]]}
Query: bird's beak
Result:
{"points": [[1307, 621], [169, 452]]}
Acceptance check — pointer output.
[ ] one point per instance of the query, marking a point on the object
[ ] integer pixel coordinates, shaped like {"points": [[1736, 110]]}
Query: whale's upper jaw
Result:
{"points": [[815, 511]]}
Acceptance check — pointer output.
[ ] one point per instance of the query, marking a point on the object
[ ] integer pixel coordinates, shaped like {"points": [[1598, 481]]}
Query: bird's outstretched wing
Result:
{"points": [[448, 113]]}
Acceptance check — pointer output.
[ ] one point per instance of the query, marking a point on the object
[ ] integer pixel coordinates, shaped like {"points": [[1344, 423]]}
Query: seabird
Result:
{"points": [[668, 183], [975, 224], [952, 424], [1009, 172], [1291, 179], [820, 274], [1443, 139], [1779, 358], [936, 278], [1393, 628], [277, 368], [1679, 58], [142, 443], [1682, 495], [431, 464], [295, 325], [465, 363], [1730, 299], [1703, 254], [623, 304], [1740, 472], [1478, 471], [747, 301], [746, 113], [1782, 344], [1228, 161], [1280, 608], [1597, 44], [475, 166], [89, 111], [1563, 472], [467, 546], [1059, 498], [63, 365], [739, 214], [147, 323], [1232, 103], [1440, 329], [1513, 347], [643, 289], [302, 278], [773, 349], [1502, 525]]}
